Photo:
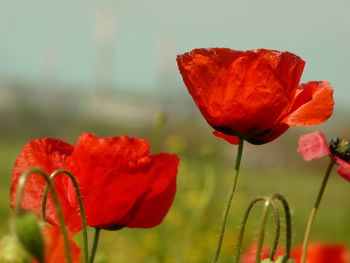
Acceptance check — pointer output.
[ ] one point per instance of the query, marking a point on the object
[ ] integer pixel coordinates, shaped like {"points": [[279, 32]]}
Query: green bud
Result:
{"points": [[342, 147], [30, 236], [11, 251], [284, 259]]}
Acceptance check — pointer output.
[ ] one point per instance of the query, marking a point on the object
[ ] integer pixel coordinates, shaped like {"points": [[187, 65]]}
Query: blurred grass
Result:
{"points": [[189, 232]]}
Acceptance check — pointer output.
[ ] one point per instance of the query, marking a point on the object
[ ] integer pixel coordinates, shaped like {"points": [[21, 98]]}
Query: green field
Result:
{"points": [[189, 232]]}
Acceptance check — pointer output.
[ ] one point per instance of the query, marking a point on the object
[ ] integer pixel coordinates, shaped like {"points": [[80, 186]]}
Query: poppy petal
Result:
{"points": [[155, 205], [55, 249], [322, 253], [50, 155], [313, 145], [112, 174], [313, 104], [343, 168], [287, 66], [230, 89], [229, 138]]}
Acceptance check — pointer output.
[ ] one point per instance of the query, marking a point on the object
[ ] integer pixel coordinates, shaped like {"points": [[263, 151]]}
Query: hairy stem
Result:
{"points": [[288, 217], [19, 196], [81, 208]]}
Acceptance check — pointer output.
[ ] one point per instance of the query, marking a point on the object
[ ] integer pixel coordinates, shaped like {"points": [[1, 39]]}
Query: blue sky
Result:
{"points": [[140, 38]]}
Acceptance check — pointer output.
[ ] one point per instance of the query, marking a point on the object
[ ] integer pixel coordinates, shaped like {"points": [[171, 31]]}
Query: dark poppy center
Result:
{"points": [[340, 148]]}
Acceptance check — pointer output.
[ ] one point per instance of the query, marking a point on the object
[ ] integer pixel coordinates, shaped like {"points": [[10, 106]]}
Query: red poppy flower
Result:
{"points": [[54, 247], [250, 254], [253, 94], [323, 253], [314, 145], [121, 183]]}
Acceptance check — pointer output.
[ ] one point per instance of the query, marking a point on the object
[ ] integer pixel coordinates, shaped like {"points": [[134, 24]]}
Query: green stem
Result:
{"points": [[19, 196], [268, 202], [314, 211], [242, 228], [288, 222], [94, 245], [81, 208], [229, 201]]}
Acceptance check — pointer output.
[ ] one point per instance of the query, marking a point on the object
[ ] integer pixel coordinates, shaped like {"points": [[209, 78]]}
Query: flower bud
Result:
{"points": [[284, 260], [340, 148], [30, 236], [11, 251]]}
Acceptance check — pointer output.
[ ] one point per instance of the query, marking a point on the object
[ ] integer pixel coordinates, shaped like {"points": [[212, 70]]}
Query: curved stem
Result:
{"points": [[242, 228], [19, 196], [229, 201], [268, 202], [288, 217], [277, 229], [81, 208], [94, 245], [314, 211]]}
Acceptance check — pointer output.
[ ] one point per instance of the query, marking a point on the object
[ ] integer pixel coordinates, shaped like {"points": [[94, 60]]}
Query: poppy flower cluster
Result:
{"points": [[314, 145], [254, 94], [317, 253], [121, 183]]}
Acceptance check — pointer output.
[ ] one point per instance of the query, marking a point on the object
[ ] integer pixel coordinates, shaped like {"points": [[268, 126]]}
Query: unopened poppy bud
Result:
{"points": [[284, 260], [340, 148], [29, 235], [279, 260], [11, 251]]}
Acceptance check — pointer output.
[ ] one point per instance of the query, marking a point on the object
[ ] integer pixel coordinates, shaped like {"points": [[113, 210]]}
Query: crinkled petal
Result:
{"points": [[343, 168], [313, 145], [50, 155], [229, 138], [113, 176], [287, 66], [155, 205], [236, 91], [313, 104]]}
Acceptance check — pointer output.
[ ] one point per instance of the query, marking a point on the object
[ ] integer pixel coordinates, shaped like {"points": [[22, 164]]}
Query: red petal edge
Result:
{"points": [[228, 138], [343, 168], [155, 205], [313, 104]]}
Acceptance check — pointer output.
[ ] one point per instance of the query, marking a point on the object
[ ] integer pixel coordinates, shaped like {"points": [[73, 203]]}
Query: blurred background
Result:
{"points": [[108, 68]]}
